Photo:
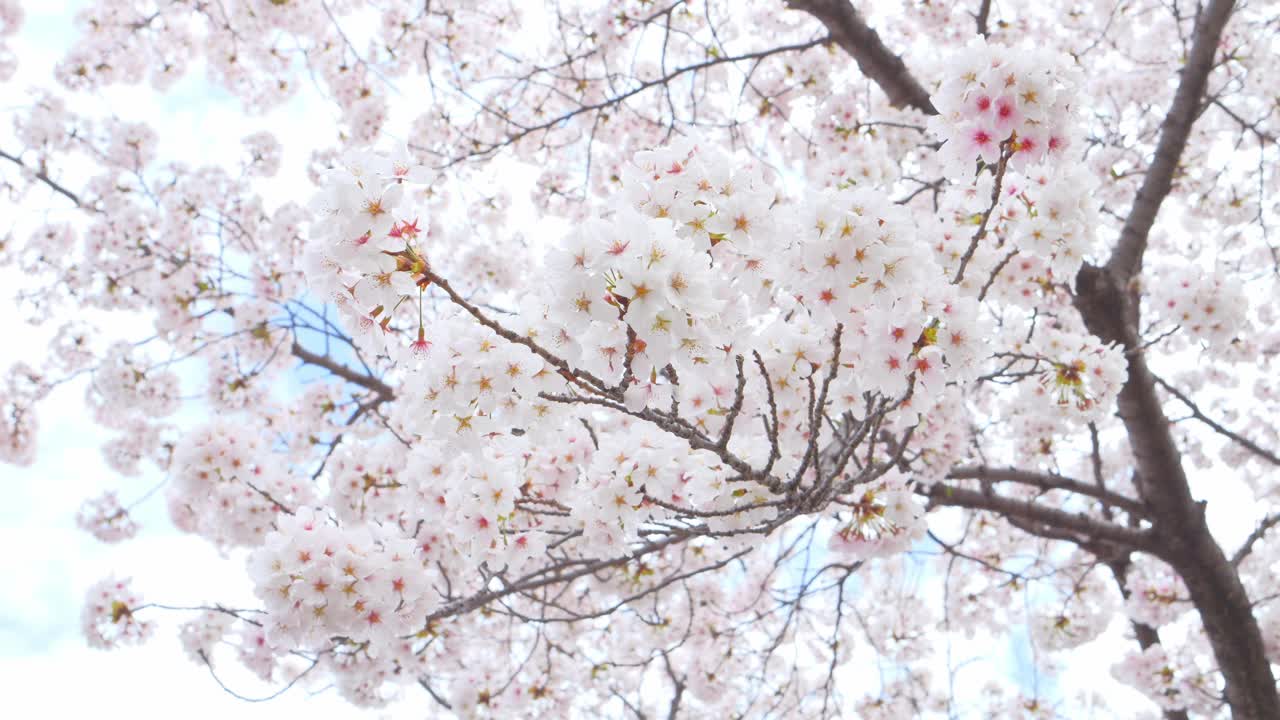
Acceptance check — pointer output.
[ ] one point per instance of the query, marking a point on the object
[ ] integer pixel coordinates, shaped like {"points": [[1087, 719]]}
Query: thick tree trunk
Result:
{"points": [[1110, 312], [1108, 303]]}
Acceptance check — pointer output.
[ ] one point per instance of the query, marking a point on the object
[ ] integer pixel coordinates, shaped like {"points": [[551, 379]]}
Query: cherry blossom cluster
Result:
{"points": [[1016, 231], [363, 255], [1080, 376], [11, 16], [367, 482], [559, 476], [256, 652], [108, 620], [201, 634], [123, 385], [846, 153], [1157, 595], [468, 504], [72, 347], [22, 388], [1038, 216], [106, 519], [998, 102], [226, 486], [666, 295], [476, 383], [852, 264], [264, 154], [886, 518], [138, 440], [1079, 612], [217, 627], [654, 296], [632, 477], [633, 295], [1173, 681], [47, 127], [318, 580], [1206, 305]]}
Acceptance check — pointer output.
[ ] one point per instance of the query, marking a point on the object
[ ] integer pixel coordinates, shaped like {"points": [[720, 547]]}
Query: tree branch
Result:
{"points": [[662, 81], [984, 14], [1108, 302], [1197, 414], [366, 381], [1126, 260], [874, 58], [1049, 481], [1267, 523], [44, 178], [1090, 528]]}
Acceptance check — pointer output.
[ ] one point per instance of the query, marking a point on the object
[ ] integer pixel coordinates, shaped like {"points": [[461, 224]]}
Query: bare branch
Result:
{"points": [[342, 371], [1077, 525], [1049, 481], [1199, 415], [1267, 523], [44, 178], [984, 15]]}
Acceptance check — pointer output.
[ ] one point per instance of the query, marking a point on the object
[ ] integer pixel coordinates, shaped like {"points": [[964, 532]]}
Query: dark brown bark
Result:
{"points": [[1126, 260], [1110, 312], [874, 58], [1108, 301], [1060, 523]]}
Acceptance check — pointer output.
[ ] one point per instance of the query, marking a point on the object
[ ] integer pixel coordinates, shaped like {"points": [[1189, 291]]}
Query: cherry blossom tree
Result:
{"points": [[831, 340]]}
